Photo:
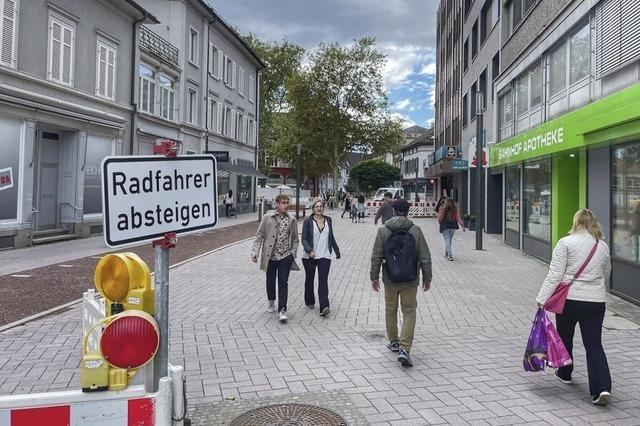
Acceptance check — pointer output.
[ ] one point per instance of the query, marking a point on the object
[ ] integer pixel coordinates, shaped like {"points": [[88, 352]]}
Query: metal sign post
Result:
{"points": [[479, 170], [161, 283]]}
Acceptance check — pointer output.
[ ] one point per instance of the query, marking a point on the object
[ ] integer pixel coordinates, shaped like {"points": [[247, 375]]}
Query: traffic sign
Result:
{"points": [[452, 152], [146, 197]]}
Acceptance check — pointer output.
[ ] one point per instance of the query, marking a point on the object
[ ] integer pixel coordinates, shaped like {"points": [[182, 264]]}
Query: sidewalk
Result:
{"points": [[470, 337], [12, 261]]}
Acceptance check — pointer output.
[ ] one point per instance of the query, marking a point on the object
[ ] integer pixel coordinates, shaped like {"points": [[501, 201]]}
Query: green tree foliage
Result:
{"points": [[373, 174], [336, 105], [282, 62]]}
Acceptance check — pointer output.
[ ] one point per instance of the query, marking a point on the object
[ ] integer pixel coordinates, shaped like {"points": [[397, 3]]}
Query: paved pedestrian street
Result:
{"points": [[470, 337]]}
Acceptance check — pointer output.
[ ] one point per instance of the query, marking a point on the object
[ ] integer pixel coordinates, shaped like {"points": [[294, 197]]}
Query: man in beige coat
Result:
{"points": [[277, 244]]}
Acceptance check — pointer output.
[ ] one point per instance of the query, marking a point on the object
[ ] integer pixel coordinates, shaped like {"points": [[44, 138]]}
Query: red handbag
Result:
{"points": [[556, 302]]}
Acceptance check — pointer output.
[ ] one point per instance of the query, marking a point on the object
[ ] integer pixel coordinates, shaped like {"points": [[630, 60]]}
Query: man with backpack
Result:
{"points": [[401, 247]]}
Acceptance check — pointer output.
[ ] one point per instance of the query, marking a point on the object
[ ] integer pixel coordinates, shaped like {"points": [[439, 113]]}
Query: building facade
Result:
{"points": [[65, 103], [415, 157], [480, 68], [448, 111], [197, 84], [568, 126]]}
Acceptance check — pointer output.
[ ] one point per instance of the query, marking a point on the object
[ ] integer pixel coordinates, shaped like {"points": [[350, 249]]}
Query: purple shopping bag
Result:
{"points": [[535, 355], [557, 354]]}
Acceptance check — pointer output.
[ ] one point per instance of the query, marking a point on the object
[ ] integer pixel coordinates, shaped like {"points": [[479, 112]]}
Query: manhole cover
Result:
{"points": [[289, 415]]}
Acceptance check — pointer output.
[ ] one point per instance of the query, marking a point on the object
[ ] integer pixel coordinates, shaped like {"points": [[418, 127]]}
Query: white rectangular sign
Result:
{"points": [[145, 197]]}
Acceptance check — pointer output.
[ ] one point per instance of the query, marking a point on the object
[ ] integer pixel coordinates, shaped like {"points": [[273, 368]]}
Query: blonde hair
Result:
{"points": [[587, 220]]}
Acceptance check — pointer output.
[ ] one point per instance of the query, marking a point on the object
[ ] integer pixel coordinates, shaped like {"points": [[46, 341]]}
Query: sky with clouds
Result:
{"points": [[405, 31]]}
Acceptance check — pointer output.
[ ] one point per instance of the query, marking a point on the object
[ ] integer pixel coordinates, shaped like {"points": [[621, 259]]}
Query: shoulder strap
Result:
{"points": [[586, 262]]}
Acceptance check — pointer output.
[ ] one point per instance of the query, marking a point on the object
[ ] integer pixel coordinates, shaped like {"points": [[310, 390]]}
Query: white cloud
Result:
{"points": [[430, 122], [403, 63], [428, 69], [403, 104], [405, 121]]}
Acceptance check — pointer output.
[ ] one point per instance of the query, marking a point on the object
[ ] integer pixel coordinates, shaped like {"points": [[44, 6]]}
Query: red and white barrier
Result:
{"points": [[416, 209], [132, 406]]}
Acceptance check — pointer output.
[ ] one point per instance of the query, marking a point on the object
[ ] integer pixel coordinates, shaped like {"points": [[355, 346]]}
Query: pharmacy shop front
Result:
{"points": [[587, 158]]}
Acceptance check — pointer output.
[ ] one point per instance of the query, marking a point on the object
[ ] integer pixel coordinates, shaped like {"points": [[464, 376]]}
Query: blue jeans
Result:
{"points": [[447, 234]]}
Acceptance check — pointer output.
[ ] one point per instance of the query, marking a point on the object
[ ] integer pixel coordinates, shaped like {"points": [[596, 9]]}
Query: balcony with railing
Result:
{"points": [[158, 46]]}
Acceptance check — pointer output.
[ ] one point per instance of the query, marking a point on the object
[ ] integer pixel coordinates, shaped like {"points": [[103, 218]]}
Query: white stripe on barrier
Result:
{"points": [[100, 413]]}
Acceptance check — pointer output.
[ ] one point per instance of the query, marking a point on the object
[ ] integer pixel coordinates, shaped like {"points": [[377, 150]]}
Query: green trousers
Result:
{"points": [[408, 304]]}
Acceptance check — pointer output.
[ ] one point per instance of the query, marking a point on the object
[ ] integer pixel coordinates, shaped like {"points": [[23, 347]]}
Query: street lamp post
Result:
{"points": [[479, 170], [298, 152], [417, 167]]}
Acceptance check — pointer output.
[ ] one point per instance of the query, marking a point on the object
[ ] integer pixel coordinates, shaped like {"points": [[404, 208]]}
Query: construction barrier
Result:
{"points": [[416, 209], [131, 406]]}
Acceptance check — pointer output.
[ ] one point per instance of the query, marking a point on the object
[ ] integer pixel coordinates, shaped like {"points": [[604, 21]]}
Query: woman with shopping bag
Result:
{"points": [[575, 290]]}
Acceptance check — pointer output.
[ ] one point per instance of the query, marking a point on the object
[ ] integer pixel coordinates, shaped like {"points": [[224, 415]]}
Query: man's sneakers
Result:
{"points": [[311, 306], [562, 379], [393, 346], [325, 312], [404, 358], [282, 316], [602, 399], [271, 306]]}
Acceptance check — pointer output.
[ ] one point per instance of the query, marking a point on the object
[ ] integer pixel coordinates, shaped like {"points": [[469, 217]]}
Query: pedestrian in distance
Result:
{"points": [[361, 208], [585, 304], [319, 245], [401, 247], [276, 244], [228, 202], [385, 212], [354, 211], [347, 206], [450, 220]]}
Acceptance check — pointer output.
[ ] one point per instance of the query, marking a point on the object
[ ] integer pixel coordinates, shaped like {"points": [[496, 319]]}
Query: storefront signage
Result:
{"points": [[221, 156], [615, 117], [459, 164], [6, 178], [145, 197]]}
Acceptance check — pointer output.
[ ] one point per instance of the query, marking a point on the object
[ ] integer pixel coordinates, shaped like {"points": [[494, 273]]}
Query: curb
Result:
{"points": [[74, 302]]}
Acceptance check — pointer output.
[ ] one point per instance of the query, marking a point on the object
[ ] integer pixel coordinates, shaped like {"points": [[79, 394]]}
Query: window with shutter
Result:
{"points": [[9, 14], [233, 75], [252, 89], [234, 118], [105, 70], [245, 130], [61, 50], [212, 59], [241, 82], [213, 115], [220, 62], [218, 128]]}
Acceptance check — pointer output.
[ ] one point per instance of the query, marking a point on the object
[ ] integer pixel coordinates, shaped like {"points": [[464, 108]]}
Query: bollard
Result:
{"points": [[261, 207]]}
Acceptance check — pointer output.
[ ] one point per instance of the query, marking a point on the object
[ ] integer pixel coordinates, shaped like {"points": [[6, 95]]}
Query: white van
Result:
{"points": [[395, 193]]}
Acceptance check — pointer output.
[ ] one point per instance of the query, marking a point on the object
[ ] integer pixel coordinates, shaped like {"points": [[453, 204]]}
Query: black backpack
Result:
{"points": [[400, 257]]}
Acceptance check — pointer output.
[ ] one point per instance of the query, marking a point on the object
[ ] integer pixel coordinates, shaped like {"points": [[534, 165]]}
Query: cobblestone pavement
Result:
{"points": [[470, 336]]}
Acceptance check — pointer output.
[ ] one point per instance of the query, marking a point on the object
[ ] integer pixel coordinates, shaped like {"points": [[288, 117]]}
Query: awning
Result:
{"points": [[242, 169]]}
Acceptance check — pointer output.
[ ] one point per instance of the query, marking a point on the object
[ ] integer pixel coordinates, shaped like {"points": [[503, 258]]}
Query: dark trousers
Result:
{"points": [[227, 207], [282, 268], [310, 266], [590, 316]]}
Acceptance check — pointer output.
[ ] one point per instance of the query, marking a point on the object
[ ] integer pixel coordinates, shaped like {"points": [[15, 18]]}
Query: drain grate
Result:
{"points": [[289, 415]]}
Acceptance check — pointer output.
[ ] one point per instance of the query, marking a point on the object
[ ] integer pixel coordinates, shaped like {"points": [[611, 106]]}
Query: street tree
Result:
{"points": [[282, 61], [337, 105], [373, 174]]}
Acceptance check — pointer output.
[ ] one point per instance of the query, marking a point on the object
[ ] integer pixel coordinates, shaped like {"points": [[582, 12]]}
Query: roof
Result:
{"points": [[415, 129], [148, 18], [234, 33], [424, 139]]}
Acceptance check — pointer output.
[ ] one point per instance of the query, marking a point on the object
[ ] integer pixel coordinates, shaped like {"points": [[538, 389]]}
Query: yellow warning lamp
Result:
{"points": [[129, 341], [124, 280]]}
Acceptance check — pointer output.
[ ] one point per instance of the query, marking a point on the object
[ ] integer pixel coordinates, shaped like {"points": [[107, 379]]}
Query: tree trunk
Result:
{"points": [[336, 171]]}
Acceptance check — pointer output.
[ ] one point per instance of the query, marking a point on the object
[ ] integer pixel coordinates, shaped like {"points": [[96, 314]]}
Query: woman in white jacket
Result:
{"points": [[585, 301]]}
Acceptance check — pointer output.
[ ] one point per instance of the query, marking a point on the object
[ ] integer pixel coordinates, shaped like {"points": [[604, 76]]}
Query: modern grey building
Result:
{"points": [[568, 126], [197, 84], [65, 102], [480, 67]]}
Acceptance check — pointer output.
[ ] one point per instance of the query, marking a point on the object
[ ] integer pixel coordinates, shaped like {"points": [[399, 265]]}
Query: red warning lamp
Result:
{"points": [[130, 340]]}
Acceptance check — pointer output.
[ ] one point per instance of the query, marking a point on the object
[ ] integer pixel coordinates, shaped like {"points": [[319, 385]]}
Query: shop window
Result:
{"points": [[535, 83], [97, 149], [512, 198], [505, 109], [537, 199], [9, 168], [625, 206], [244, 189], [223, 185]]}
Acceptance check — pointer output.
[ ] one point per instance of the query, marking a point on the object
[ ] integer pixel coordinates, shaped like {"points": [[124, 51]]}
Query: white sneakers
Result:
{"points": [[271, 306], [602, 399], [282, 316]]}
